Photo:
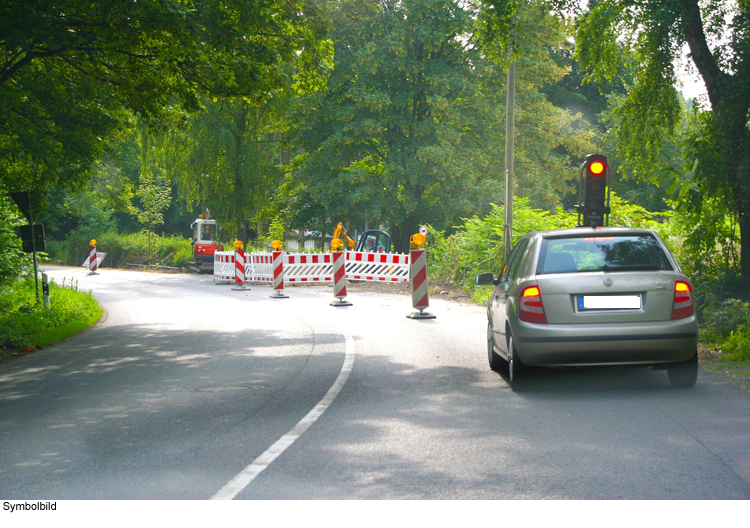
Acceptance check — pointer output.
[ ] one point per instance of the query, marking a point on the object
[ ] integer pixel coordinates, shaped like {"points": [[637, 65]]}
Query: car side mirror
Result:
{"points": [[485, 279]]}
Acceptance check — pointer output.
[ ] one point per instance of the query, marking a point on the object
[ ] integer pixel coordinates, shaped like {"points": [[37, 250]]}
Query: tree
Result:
{"points": [[716, 32], [72, 72], [226, 159], [410, 127]]}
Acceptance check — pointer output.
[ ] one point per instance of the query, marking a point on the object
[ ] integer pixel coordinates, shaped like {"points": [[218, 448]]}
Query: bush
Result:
{"points": [[736, 347], [722, 318], [13, 262], [124, 249]]}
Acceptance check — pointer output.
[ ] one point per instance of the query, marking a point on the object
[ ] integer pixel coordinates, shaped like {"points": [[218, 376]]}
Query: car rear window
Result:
{"points": [[601, 253]]}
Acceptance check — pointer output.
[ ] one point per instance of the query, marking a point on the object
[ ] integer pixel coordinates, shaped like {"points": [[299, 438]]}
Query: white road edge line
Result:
{"points": [[246, 476]]}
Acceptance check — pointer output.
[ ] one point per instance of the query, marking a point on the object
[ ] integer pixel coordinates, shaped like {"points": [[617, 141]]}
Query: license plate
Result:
{"points": [[609, 302]]}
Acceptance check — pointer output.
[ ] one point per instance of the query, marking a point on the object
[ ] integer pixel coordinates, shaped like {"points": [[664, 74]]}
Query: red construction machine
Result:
{"points": [[204, 242]]}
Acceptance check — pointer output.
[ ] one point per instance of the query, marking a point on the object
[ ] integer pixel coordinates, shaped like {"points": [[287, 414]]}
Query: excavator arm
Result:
{"points": [[341, 230]]}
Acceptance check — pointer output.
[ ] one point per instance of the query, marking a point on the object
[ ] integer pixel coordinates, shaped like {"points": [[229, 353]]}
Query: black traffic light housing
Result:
{"points": [[593, 210]]}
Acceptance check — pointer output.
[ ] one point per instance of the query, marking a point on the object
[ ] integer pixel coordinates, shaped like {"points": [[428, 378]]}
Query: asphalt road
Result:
{"points": [[186, 385]]}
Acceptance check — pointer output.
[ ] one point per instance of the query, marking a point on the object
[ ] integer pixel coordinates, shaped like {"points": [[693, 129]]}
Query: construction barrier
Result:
{"points": [[94, 260], [239, 266], [239, 270], [419, 288], [278, 276], [377, 267], [224, 267], [339, 278], [308, 267], [315, 267]]}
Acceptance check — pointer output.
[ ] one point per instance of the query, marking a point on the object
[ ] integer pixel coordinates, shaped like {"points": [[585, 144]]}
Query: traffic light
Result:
{"points": [[594, 176]]}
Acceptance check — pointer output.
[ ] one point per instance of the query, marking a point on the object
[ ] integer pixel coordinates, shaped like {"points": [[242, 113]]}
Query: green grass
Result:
{"points": [[26, 326]]}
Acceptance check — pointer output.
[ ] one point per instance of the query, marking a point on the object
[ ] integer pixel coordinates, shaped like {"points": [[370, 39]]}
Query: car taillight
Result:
{"points": [[530, 307], [683, 301]]}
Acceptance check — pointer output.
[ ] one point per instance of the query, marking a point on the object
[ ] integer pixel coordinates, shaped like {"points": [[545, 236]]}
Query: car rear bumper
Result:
{"points": [[610, 344]]}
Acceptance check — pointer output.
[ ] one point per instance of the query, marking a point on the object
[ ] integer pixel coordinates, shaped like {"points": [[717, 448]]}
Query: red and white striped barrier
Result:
{"points": [[93, 261], [315, 267], [377, 267], [224, 267], [93, 266], [278, 276], [308, 267], [339, 278], [239, 270], [419, 289], [260, 267]]}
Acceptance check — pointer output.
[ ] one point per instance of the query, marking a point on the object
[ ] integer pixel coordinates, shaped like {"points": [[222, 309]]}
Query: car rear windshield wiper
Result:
{"points": [[632, 267]]}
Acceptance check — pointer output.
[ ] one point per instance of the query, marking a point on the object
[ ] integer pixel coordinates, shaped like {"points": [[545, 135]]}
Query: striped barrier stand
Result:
{"points": [[278, 276], [94, 259], [239, 271], [93, 264], [419, 288], [339, 278]]}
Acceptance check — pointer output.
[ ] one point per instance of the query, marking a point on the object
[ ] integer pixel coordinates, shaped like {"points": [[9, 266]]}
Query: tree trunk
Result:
{"points": [[730, 100], [401, 234]]}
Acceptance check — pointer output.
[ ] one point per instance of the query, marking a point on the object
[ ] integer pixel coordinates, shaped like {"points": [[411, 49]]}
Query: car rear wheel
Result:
{"points": [[684, 374], [496, 362], [516, 368]]}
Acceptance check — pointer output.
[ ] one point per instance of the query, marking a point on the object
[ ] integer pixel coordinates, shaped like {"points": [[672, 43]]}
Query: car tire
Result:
{"points": [[516, 368], [684, 374], [496, 362]]}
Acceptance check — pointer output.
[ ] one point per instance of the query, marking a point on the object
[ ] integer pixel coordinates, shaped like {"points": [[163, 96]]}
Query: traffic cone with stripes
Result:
{"points": [[418, 278]]}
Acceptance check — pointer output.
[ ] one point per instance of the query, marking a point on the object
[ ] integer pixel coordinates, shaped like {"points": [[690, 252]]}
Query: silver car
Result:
{"points": [[592, 296]]}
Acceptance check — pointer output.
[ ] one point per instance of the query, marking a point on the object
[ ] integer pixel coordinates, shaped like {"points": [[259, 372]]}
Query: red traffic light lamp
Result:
{"points": [[594, 183]]}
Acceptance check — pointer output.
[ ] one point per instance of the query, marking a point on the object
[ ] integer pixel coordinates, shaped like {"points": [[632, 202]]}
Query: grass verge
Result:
{"points": [[26, 326]]}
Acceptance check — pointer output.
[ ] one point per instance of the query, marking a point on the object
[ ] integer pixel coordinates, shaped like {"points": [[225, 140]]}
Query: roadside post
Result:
{"points": [[45, 290]]}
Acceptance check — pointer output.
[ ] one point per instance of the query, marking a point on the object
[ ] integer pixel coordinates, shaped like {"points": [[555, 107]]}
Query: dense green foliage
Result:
{"points": [[654, 32], [410, 127], [122, 249], [73, 72], [12, 260], [26, 325]]}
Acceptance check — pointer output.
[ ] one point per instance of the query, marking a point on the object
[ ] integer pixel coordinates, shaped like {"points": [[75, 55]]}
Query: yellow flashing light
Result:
{"points": [[238, 244], [277, 245], [417, 241], [336, 244], [533, 291], [92, 242]]}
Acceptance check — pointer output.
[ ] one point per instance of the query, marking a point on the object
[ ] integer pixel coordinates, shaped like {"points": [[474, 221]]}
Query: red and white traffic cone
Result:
{"points": [[278, 272], [92, 258], [339, 275], [239, 270], [420, 298]]}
